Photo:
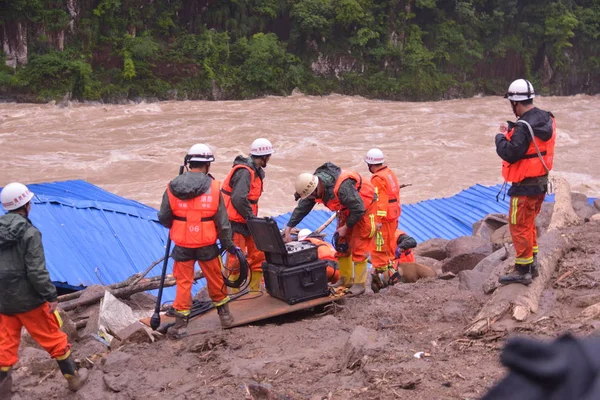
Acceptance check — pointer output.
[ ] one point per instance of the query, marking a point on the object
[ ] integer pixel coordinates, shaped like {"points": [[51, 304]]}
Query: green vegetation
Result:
{"points": [[236, 49]]}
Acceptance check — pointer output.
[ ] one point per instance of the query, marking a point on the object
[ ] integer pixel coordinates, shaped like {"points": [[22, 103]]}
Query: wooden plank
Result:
{"points": [[249, 308]]}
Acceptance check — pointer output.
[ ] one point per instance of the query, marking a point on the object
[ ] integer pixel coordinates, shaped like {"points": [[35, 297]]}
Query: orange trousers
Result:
{"points": [[361, 236], [43, 327], [383, 251], [254, 256], [183, 271], [521, 223]]}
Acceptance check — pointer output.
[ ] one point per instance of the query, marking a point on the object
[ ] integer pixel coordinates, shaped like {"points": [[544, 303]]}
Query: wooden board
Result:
{"points": [[249, 308]]}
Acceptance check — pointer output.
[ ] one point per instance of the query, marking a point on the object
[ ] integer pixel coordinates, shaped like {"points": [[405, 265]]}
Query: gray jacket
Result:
{"points": [[24, 280]]}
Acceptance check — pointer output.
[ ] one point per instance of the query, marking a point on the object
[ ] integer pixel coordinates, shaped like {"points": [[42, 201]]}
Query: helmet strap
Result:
{"points": [[513, 104]]}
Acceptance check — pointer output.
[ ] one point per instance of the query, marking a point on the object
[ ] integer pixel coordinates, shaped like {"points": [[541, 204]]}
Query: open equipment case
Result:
{"points": [[293, 272]]}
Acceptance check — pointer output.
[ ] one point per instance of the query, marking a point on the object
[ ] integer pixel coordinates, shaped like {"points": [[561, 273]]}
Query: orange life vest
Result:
{"points": [[393, 191], [326, 250], [193, 224], [365, 190], [530, 166], [407, 255], [256, 189]]}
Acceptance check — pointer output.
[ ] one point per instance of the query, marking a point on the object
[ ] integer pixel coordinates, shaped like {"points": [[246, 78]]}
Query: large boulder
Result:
{"points": [[488, 264], [597, 204], [488, 225], [462, 262], [468, 245], [432, 248], [472, 280], [501, 237], [581, 206], [432, 263]]}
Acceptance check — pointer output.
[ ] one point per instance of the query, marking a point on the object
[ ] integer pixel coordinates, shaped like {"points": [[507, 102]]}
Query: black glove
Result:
{"points": [[499, 138], [232, 249]]}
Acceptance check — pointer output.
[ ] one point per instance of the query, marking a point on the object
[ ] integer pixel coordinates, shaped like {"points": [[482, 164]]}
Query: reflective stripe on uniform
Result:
{"points": [[513, 215], [65, 356], [373, 227], [220, 303], [58, 319], [382, 213], [524, 261]]}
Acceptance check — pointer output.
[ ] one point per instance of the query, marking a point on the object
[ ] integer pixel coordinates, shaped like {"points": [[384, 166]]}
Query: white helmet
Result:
{"points": [[520, 90], [201, 153], [306, 184], [303, 234], [374, 156], [15, 195], [261, 147]]}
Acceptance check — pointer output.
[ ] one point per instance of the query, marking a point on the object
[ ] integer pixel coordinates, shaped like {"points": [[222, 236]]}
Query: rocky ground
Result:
{"points": [[362, 349]]}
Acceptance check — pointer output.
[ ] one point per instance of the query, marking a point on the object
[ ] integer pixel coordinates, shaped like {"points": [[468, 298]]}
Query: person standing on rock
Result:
{"points": [[27, 296], [355, 201], [194, 211], [526, 148], [242, 189], [386, 187]]}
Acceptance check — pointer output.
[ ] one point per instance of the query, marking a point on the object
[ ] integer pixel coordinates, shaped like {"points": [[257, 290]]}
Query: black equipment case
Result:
{"points": [[296, 284], [293, 272], [268, 240]]}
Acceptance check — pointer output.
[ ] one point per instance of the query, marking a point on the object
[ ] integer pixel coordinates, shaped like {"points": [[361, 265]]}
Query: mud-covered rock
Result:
{"points": [[500, 237], [432, 263], [134, 333], [462, 262], [116, 362], [472, 280], [488, 225], [581, 206], [362, 343], [488, 264], [115, 383], [468, 245], [36, 361], [597, 204], [433, 248]]}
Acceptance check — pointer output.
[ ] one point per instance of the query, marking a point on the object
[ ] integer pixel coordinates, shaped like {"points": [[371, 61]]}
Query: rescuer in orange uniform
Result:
{"points": [[388, 212], [241, 190], [526, 148], [326, 251], [194, 210], [27, 296], [347, 193]]}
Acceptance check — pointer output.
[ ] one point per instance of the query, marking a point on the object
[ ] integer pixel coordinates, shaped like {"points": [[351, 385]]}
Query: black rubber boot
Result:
{"points": [[75, 377], [376, 283], [179, 329], [535, 268], [5, 385], [225, 316], [522, 274]]}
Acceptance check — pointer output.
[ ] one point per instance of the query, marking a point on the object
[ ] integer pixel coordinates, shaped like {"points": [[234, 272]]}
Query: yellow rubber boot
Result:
{"points": [[345, 268], [233, 277], [360, 278], [255, 281]]}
